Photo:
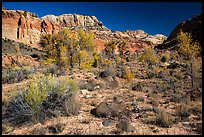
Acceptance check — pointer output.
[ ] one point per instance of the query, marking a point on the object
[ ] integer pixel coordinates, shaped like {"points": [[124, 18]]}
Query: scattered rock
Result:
{"points": [[107, 73], [140, 99], [84, 91], [114, 84], [105, 109], [107, 123], [125, 125], [176, 98], [138, 87], [156, 110], [58, 128], [108, 79]]}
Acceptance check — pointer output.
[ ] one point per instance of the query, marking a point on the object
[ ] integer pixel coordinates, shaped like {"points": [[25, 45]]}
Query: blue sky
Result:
{"points": [[152, 17]]}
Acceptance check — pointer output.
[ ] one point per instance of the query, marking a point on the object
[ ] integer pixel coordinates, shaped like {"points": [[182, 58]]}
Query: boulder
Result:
{"points": [[125, 125], [105, 109], [107, 73], [107, 123]]}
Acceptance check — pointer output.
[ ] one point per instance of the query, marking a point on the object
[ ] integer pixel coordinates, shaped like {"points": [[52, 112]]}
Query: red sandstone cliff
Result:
{"points": [[26, 27]]}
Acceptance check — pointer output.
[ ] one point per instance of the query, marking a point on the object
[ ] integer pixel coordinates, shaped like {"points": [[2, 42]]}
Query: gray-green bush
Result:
{"points": [[44, 97]]}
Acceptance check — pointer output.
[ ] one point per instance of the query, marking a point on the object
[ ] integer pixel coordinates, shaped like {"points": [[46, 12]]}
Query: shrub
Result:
{"points": [[55, 70], [196, 109], [155, 103], [45, 96], [110, 48], [107, 62], [176, 98], [57, 128], [6, 128], [163, 59], [140, 99], [128, 74], [16, 74], [166, 56], [164, 119], [182, 110], [149, 55], [18, 110]]}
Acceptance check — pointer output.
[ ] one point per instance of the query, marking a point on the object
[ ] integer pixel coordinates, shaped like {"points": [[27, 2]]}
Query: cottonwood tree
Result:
{"points": [[69, 49], [189, 50]]}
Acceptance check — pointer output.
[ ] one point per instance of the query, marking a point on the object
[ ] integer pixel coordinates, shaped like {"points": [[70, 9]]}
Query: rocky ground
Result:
{"points": [[121, 107], [136, 93]]}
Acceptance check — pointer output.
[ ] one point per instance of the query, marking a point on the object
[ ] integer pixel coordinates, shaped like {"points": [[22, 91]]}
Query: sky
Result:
{"points": [[152, 17]]}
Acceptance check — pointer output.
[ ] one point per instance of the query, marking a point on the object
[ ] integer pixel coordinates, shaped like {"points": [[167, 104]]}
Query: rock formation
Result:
{"points": [[193, 26], [26, 27], [76, 21]]}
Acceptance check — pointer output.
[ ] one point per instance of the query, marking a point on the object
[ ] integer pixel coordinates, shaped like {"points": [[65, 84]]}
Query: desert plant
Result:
{"points": [[45, 96], [166, 56], [110, 48], [18, 110], [17, 74], [149, 56], [182, 110], [128, 74], [6, 128], [122, 47], [57, 128], [196, 108], [164, 119]]}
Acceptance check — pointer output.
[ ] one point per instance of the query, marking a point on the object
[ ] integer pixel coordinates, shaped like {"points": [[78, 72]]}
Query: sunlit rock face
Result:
{"points": [[26, 27]]}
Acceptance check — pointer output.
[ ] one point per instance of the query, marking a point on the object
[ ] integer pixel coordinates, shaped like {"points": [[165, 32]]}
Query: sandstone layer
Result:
{"points": [[27, 27]]}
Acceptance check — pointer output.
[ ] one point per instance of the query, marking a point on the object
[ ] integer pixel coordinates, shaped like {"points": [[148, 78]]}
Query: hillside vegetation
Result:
{"points": [[70, 87]]}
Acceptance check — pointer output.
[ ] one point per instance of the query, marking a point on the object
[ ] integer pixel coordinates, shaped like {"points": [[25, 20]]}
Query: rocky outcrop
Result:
{"points": [[76, 21], [26, 27], [193, 26], [136, 40]]}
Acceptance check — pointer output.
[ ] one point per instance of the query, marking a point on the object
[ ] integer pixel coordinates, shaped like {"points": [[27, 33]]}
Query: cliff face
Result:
{"points": [[76, 21], [26, 27], [193, 26], [136, 40]]}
